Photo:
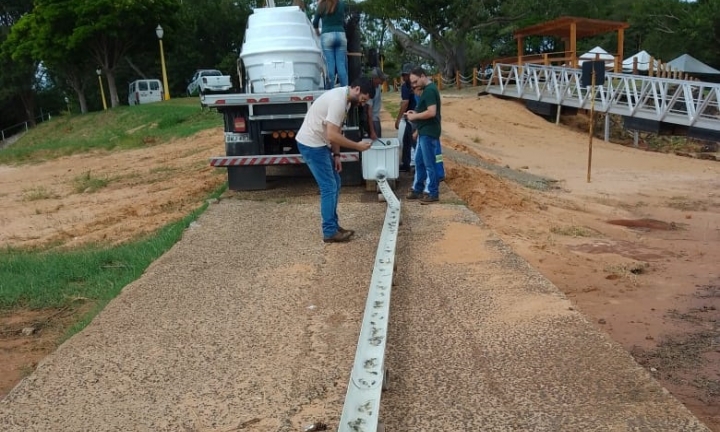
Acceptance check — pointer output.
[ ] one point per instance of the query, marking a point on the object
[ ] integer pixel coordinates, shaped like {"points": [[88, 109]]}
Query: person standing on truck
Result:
{"points": [[374, 105], [427, 117], [333, 40], [319, 140], [407, 102]]}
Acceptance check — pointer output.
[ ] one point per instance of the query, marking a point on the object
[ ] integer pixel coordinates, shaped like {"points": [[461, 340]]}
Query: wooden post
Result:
{"points": [[651, 67], [573, 44], [439, 81], [520, 49], [546, 59], [475, 72], [620, 50], [592, 122], [635, 66], [457, 79], [495, 78]]}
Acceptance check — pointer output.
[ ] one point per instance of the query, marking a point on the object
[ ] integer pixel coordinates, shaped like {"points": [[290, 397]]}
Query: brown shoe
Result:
{"points": [[429, 200], [339, 237], [412, 195], [343, 231]]}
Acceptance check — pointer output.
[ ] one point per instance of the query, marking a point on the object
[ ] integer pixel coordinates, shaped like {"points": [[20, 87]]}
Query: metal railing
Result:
{"points": [[20, 127], [682, 102], [369, 375]]}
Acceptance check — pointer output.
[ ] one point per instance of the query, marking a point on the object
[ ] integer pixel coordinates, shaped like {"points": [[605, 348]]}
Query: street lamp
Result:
{"points": [[102, 92], [67, 102], [159, 32]]}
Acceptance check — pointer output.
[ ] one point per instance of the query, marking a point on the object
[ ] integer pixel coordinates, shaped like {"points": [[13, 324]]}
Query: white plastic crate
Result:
{"points": [[382, 157]]}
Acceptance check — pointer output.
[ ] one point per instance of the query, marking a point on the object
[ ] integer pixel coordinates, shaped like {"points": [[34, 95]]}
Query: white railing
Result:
{"points": [[682, 102]]}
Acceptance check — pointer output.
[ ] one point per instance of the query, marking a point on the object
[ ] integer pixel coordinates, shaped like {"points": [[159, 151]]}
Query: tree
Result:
{"points": [[17, 76], [43, 36], [109, 29], [448, 26]]}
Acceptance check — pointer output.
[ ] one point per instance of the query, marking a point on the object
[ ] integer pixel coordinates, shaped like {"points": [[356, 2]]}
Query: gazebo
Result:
{"points": [[569, 29]]}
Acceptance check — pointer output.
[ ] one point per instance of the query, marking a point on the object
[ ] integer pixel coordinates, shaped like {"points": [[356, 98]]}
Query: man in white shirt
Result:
{"points": [[319, 140]]}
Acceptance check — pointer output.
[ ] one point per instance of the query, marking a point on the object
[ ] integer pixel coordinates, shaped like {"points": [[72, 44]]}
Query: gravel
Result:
{"points": [[250, 323]]}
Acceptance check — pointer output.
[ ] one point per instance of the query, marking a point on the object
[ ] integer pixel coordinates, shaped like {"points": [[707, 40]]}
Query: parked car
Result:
{"points": [[208, 81], [145, 91]]}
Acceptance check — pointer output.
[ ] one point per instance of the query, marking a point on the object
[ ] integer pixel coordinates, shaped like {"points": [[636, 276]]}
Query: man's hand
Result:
{"points": [[363, 145], [397, 124], [373, 136], [411, 115], [338, 164]]}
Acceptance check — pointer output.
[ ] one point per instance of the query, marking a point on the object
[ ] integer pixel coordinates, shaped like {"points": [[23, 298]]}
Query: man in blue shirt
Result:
{"points": [[374, 105], [407, 103]]}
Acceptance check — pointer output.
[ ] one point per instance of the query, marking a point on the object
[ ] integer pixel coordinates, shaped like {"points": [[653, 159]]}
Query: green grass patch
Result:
{"points": [[574, 231], [37, 279], [87, 183], [39, 193], [392, 106], [124, 127]]}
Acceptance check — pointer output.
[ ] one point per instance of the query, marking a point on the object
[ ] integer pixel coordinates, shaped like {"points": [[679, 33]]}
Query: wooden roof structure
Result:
{"points": [[569, 29]]}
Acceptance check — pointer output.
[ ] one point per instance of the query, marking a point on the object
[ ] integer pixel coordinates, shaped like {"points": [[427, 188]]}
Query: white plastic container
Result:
{"points": [[281, 51], [382, 158]]}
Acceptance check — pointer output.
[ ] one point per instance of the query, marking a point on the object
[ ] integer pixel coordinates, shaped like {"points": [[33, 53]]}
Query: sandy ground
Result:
{"points": [[654, 287]]}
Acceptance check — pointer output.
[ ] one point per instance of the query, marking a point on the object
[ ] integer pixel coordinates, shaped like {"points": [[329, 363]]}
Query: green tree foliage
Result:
{"points": [[209, 35], [16, 77], [60, 43]]}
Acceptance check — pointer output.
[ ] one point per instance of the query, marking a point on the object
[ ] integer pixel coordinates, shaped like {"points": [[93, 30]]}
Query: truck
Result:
{"points": [[281, 71], [206, 81]]}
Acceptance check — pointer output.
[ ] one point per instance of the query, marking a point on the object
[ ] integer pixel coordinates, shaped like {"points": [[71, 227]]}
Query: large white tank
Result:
{"points": [[281, 51]]}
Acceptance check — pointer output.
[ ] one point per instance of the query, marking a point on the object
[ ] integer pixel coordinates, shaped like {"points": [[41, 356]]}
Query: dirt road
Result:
{"points": [[653, 287]]}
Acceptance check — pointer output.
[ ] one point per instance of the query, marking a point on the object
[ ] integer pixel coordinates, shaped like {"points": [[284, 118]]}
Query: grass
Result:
{"points": [[124, 127], [56, 278], [683, 204], [38, 193], [37, 279], [392, 105], [86, 183], [574, 231]]}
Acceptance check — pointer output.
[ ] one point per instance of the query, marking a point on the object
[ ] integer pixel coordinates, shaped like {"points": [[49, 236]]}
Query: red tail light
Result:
{"points": [[239, 124]]}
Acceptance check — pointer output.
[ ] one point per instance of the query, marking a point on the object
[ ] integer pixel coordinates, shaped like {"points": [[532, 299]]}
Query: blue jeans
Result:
{"points": [[322, 167], [334, 46], [425, 166]]}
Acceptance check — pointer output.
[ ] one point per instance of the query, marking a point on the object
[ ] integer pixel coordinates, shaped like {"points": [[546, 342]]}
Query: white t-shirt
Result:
{"points": [[376, 103], [330, 107]]}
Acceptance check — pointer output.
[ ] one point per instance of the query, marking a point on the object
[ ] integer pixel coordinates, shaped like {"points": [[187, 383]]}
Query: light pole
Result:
{"points": [[102, 92], [159, 32], [67, 102]]}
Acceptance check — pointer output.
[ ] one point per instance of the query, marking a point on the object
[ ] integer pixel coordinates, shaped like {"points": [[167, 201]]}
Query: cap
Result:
{"points": [[407, 69], [378, 73]]}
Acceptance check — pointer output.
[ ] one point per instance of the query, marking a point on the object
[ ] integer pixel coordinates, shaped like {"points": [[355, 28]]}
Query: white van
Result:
{"points": [[145, 91]]}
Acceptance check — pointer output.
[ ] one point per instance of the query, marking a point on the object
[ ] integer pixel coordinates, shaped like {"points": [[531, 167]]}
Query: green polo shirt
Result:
{"points": [[334, 22], [429, 97]]}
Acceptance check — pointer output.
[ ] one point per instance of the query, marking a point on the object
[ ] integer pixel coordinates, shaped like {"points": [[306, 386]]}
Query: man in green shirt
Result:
{"points": [[426, 117]]}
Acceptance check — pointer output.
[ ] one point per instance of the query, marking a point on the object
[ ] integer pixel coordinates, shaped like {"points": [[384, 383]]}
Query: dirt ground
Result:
{"points": [[636, 249]]}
